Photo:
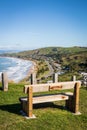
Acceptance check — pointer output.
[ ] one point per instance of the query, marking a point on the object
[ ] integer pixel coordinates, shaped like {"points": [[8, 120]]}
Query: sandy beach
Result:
{"points": [[32, 69], [17, 69]]}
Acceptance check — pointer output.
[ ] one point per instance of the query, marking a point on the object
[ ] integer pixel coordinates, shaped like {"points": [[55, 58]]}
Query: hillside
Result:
{"points": [[67, 60]]}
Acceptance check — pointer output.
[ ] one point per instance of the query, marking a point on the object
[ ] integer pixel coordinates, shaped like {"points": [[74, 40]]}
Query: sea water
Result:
{"points": [[16, 69]]}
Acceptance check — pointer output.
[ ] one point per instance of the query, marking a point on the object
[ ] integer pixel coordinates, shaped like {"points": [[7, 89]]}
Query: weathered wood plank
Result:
{"points": [[46, 98], [51, 86], [30, 103], [49, 98], [76, 97], [55, 87]]}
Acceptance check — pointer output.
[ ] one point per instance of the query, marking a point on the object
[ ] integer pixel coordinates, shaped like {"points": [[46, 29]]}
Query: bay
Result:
{"points": [[16, 69]]}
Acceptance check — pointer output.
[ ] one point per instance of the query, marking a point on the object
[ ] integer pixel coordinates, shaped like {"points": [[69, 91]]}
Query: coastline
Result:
{"points": [[32, 69], [29, 71]]}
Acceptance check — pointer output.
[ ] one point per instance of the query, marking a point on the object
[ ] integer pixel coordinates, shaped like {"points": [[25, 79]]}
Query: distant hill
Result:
{"points": [[3, 51], [70, 58]]}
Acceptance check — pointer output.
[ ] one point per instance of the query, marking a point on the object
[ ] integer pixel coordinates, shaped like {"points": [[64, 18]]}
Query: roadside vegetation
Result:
{"points": [[42, 68]]}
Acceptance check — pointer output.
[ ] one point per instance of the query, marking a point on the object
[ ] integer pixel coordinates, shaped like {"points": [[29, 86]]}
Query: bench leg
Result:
{"points": [[73, 103], [69, 103], [76, 98], [29, 103]]}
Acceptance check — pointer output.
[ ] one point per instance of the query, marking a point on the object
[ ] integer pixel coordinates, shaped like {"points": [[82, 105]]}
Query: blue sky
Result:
{"points": [[41, 23]]}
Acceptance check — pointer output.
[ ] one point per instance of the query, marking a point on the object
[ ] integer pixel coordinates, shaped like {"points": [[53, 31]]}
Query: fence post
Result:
{"points": [[4, 81], [55, 78], [85, 80], [74, 78], [33, 78]]}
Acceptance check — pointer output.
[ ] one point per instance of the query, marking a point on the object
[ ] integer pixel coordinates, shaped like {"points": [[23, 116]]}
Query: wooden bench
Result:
{"points": [[72, 99]]}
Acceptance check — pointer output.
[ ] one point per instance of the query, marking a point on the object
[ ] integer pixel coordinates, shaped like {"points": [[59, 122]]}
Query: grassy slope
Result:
{"points": [[49, 116]]}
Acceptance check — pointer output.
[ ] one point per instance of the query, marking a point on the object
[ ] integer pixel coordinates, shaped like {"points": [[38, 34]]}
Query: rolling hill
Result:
{"points": [[70, 59]]}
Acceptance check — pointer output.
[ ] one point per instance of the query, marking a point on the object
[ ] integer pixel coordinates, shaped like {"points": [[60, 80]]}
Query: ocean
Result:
{"points": [[16, 69]]}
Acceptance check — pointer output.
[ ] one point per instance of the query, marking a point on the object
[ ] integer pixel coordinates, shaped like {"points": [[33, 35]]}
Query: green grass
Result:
{"points": [[50, 116], [42, 68]]}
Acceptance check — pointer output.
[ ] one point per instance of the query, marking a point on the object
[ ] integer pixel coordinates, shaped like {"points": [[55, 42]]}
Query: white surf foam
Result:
{"points": [[18, 70]]}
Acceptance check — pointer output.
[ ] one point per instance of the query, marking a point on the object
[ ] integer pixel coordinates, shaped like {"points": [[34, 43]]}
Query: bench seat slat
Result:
{"points": [[49, 98], [46, 98]]}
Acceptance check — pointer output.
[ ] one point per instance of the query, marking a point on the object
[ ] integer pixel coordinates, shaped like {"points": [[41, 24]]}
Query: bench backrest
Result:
{"points": [[52, 86]]}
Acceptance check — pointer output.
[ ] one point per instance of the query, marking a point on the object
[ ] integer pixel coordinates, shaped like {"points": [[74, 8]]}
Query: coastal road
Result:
{"points": [[51, 70]]}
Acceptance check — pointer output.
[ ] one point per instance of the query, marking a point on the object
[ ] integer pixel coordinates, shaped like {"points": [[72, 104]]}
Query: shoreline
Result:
{"points": [[30, 70]]}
